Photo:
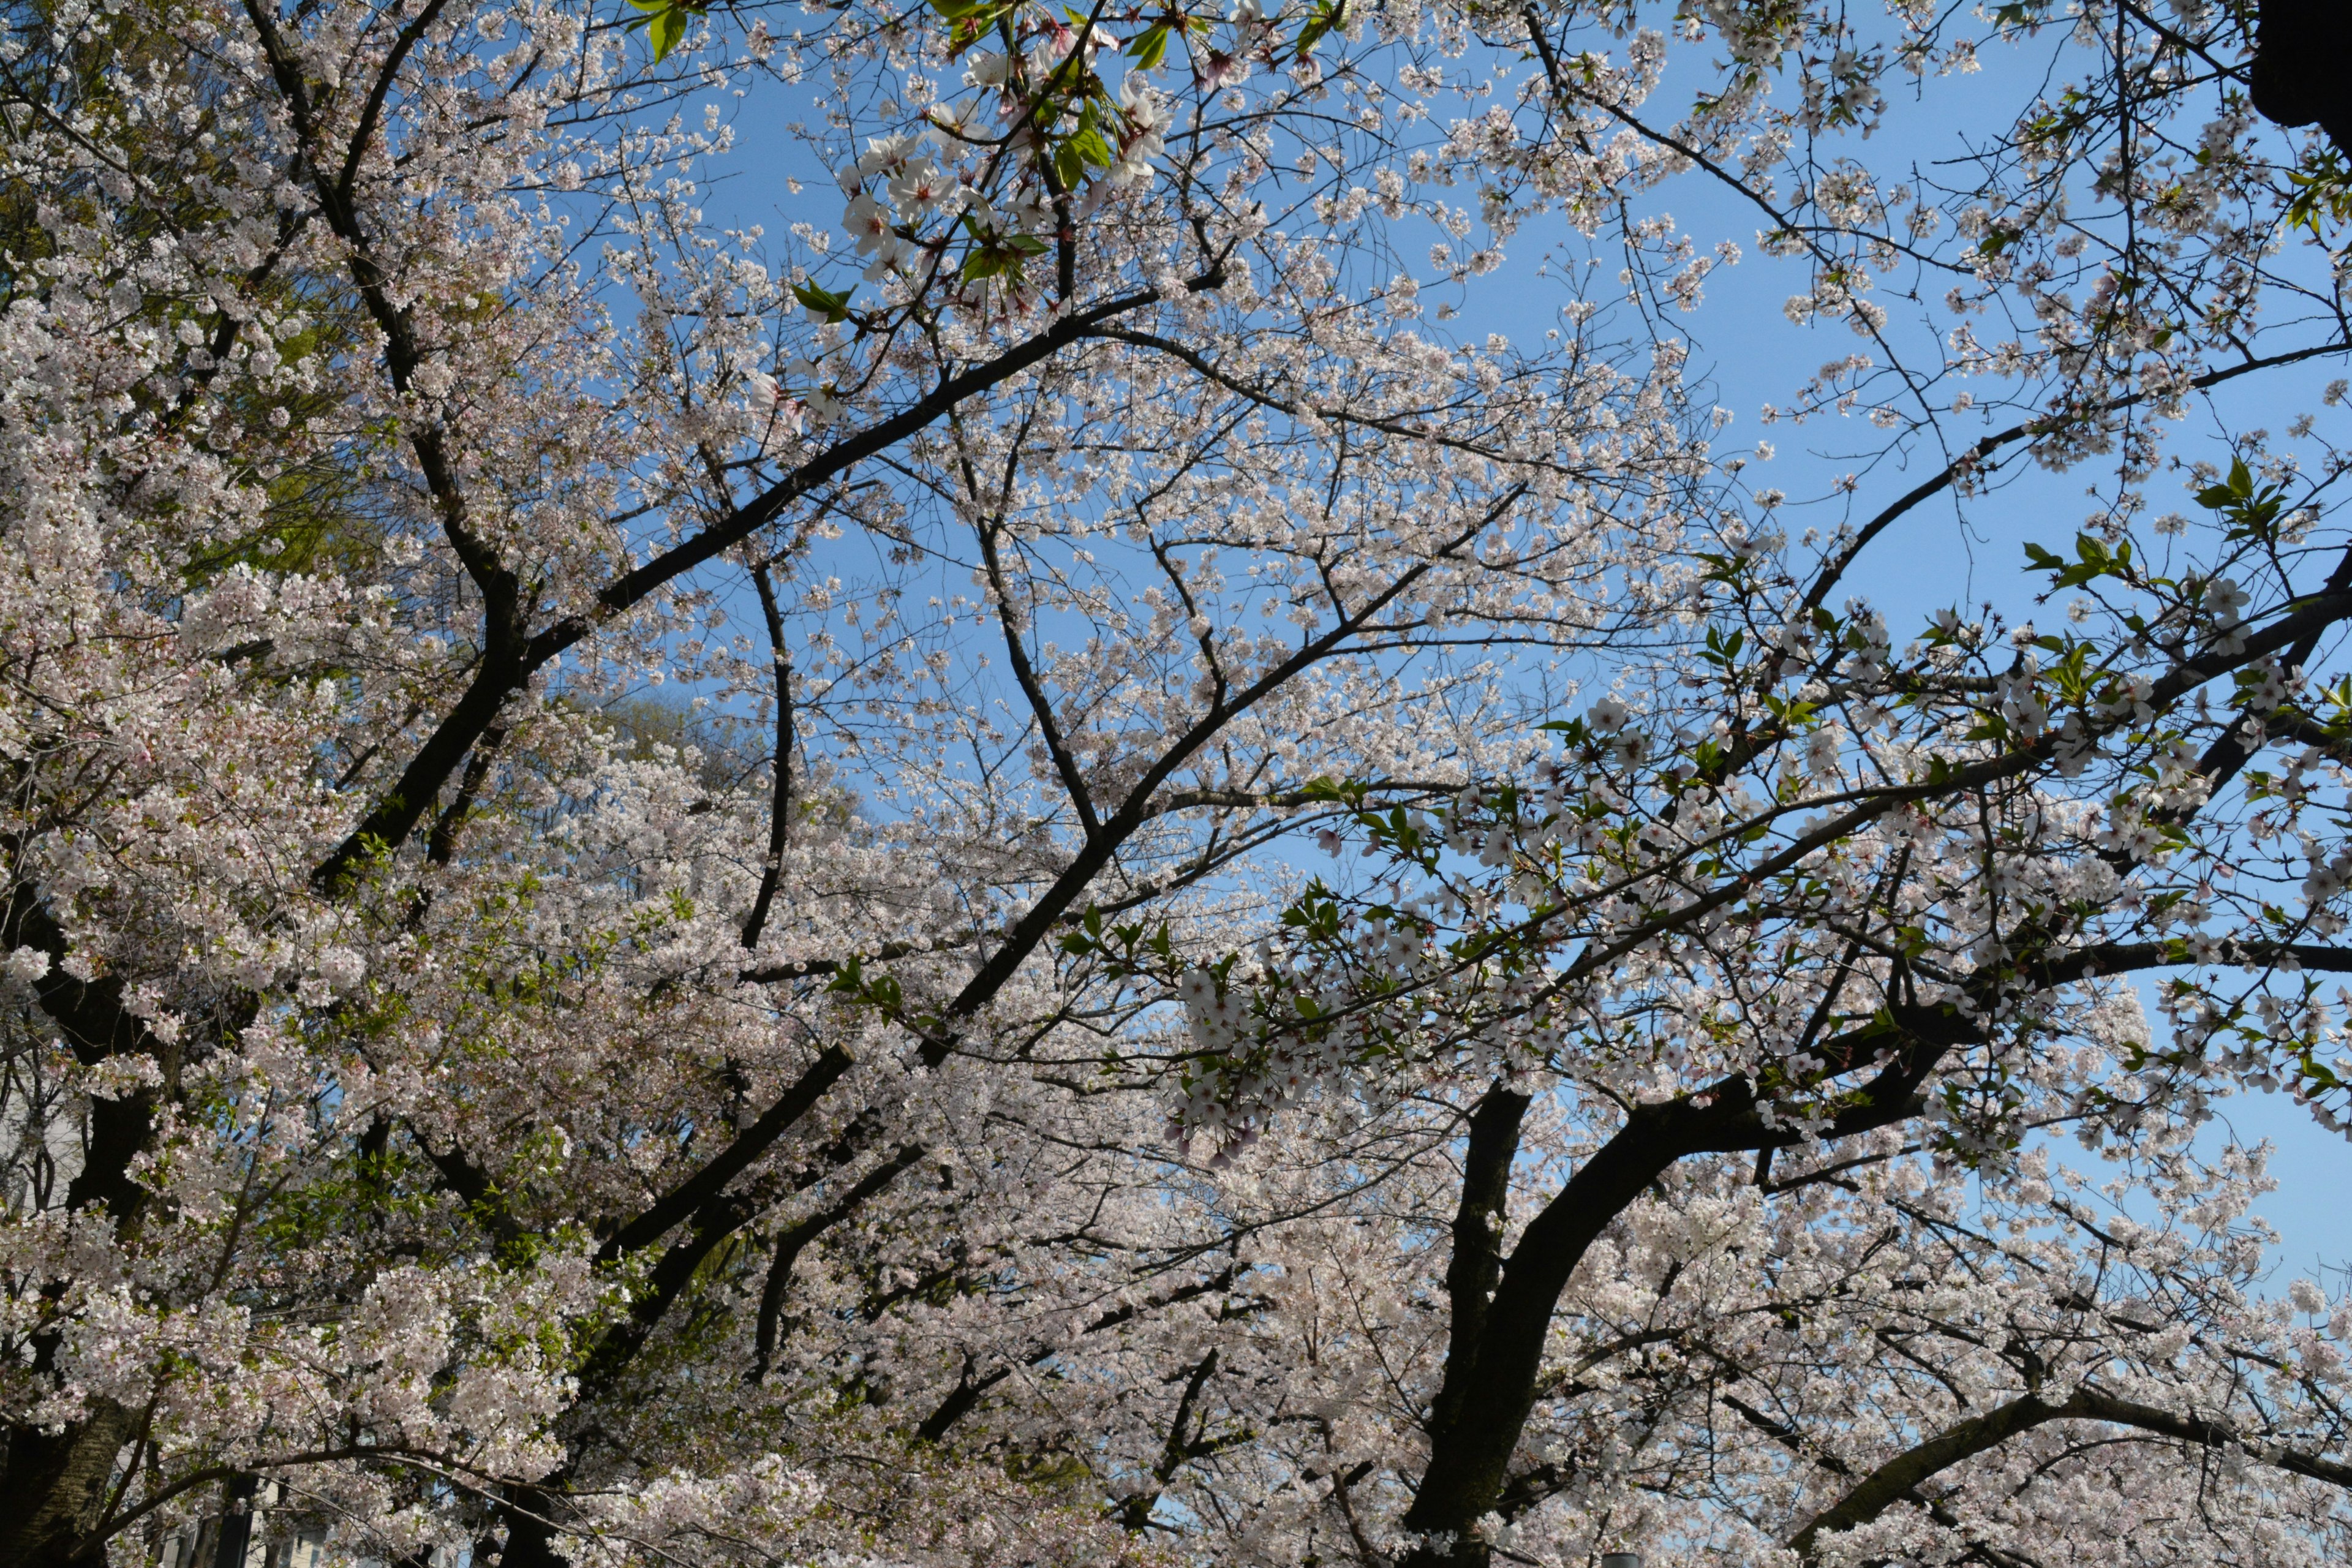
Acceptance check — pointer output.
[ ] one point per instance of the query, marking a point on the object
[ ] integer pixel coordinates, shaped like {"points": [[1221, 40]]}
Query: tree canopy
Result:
{"points": [[1157, 846]]}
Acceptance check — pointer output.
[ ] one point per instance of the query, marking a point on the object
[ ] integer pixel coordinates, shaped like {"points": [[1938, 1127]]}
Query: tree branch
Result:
{"points": [[1898, 1479]]}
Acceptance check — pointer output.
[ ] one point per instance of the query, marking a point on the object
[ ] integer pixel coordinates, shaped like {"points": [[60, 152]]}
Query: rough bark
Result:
{"points": [[55, 1488]]}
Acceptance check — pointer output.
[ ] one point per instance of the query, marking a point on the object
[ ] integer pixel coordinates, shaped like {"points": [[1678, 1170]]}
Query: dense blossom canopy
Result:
{"points": [[1085, 864]]}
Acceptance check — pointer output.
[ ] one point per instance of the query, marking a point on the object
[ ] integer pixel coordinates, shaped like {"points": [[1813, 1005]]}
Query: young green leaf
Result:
{"points": [[823, 303]]}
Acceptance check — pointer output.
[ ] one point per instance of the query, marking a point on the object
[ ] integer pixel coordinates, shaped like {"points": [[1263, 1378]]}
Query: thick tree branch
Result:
{"points": [[1899, 1478], [396, 814], [1470, 1455], [701, 1190], [795, 1239], [780, 805], [1096, 853], [96, 1025], [1477, 1261], [962, 1399]]}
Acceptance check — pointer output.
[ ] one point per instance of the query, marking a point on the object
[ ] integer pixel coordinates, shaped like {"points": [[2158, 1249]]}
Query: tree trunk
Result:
{"points": [[55, 1488], [2302, 71], [1470, 1453], [530, 1539]]}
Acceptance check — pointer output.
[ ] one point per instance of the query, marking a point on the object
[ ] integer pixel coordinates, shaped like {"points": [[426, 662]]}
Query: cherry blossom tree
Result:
{"points": [[1060, 870]]}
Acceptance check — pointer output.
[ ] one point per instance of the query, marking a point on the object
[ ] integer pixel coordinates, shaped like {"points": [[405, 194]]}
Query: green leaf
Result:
{"points": [[2093, 561], [1326, 18], [2325, 190], [969, 21], [822, 302], [1090, 145], [667, 32], [2251, 510], [1147, 48]]}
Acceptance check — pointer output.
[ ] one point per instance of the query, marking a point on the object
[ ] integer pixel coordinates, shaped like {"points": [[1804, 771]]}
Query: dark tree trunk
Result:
{"points": [[1470, 1453], [236, 1523], [1495, 1365], [530, 1539], [54, 1489], [2303, 66]]}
